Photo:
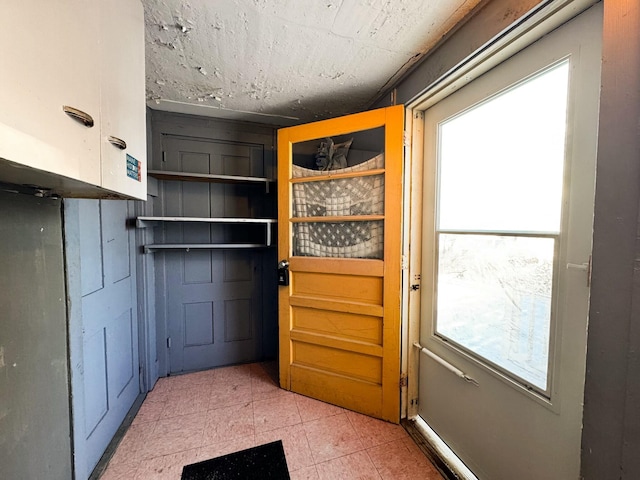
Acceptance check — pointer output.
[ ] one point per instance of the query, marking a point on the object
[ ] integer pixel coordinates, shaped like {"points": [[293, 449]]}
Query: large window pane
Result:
{"points": [[494, 299], [501, 162]]}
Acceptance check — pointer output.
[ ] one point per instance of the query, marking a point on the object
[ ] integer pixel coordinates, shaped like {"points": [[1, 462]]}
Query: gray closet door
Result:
{"points": [[212, 298], [103, 324], [213, 306]]}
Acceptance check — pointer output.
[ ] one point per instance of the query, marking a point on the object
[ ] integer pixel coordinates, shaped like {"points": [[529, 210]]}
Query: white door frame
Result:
{"points": [[548, 16]]}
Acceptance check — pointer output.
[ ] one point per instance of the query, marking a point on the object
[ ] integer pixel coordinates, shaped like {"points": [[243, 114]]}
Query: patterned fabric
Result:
{"points": [[340, 197]]}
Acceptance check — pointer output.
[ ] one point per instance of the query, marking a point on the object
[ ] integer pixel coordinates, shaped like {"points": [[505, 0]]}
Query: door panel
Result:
{"points": [[103, 328], [213, 320], [506, 216], [339, 230], [213, 299]]}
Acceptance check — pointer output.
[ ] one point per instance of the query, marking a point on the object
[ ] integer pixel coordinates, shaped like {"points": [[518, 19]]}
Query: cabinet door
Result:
{"points": [[123, 97], [49, 61]]}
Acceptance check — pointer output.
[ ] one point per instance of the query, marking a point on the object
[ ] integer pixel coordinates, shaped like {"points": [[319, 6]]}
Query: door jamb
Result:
{"points": [[412, 281]]}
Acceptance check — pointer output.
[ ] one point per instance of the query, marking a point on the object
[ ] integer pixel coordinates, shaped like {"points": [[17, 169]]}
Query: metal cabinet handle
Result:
{"points": [[78, 115], [117, 142]]}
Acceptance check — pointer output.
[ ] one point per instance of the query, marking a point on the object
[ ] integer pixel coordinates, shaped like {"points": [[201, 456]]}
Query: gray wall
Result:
{"points": [[191, 127], [490, 20], [34, 390], [611, 435]]}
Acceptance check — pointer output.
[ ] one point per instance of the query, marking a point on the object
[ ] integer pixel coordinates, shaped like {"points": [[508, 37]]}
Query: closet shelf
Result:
{"points": [[145, 222], [210, 178], [148, 222], [200, 246]]}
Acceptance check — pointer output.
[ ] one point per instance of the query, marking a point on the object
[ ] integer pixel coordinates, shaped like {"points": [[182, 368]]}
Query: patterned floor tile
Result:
{"points": [[199, 416]]}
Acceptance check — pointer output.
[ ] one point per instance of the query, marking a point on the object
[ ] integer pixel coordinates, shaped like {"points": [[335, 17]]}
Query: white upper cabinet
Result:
{"points": [[123, 146], [70, 70], [48, 62]]}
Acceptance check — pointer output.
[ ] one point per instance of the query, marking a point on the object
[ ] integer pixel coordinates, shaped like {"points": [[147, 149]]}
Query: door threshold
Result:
{"points": [[444, 459]]}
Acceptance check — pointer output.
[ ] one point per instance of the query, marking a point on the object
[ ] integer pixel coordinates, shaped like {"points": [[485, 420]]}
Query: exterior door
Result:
{"points": [[103, 323], [212, 298], [339, 227], [509, 182]]}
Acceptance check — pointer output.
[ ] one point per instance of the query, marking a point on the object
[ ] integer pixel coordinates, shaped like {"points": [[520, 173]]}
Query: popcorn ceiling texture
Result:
{"points": [[293, 60]]}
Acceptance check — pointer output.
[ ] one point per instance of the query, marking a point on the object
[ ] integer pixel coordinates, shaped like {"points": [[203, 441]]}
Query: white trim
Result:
{"points": [[520, 35], [406, 242], [413, 229], [443, 450]]}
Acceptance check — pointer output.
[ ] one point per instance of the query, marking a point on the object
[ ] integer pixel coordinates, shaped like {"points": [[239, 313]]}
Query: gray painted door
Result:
{"points": [[103, 323], [213, 309], [213, 298]]}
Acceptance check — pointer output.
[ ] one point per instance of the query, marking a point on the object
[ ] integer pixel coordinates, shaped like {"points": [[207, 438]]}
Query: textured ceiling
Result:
{"points": [[285, 61]]}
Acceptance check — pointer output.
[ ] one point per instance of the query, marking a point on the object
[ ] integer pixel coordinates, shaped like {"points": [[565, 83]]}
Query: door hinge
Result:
{"points": [[404, 262], [34, 190], [583, 266], [405, 139], [416, 286], [168, 342], [404, 380]]}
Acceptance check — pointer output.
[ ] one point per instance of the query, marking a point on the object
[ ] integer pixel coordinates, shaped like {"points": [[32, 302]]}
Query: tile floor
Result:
{"points": [[194, 417]]}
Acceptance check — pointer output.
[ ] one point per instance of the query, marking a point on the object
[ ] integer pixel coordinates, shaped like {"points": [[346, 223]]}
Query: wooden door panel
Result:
{"points": [[363, 328], [340, 316], [337, 306], [336, 343], [353, 287], [358, 395], [342, 361]]}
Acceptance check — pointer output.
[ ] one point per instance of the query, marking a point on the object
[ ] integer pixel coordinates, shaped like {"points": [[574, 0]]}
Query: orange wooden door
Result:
{"points": [[340, 232]]}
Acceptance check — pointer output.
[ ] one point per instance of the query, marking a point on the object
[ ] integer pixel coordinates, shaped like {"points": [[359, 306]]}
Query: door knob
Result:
{"points": [[283, 273]]}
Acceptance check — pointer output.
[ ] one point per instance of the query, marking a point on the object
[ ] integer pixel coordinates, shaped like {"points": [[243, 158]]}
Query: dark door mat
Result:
{"points": [[257, 463]]}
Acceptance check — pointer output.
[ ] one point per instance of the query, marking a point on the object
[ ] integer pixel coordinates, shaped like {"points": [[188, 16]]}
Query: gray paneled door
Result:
{"points": [[213, 309], [103, 323], [212, 299]]}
